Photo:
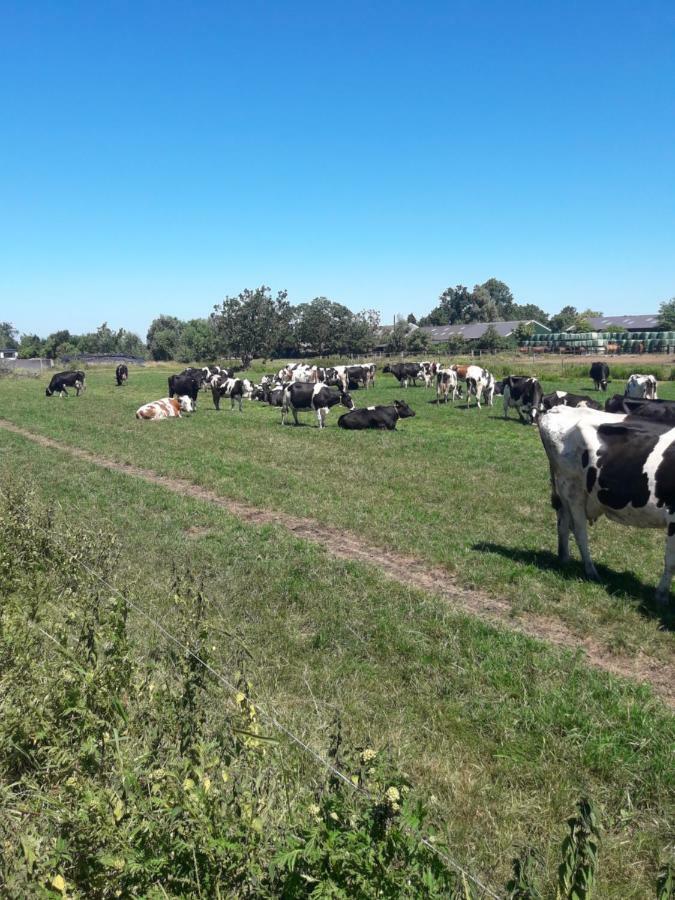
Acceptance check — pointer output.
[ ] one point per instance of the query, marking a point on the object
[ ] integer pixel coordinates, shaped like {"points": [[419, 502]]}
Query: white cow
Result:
{"points": [[641, 387], [479, 382], [166, 408]]}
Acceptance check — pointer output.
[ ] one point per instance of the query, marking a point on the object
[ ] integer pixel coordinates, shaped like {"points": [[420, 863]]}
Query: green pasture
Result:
{"points": [[463, 489], [501, 734]]}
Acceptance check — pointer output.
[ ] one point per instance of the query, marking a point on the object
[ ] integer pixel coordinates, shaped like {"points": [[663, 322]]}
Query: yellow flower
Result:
{"points": [[367, 755], [392, 794], [334, 817], [313, 809], [59, 884]]}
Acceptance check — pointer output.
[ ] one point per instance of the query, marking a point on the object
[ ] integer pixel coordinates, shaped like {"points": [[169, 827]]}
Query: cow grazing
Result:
{"points": [[381, 417], [317, 397], [121, 374], [524, 394], [658, 410], [63, 380], [641, 387], [167, 408], [599, 375], [404, 372], [479, 382], [234, 388], [184, 385], [564, 398], [446, 382], [614, 465]]}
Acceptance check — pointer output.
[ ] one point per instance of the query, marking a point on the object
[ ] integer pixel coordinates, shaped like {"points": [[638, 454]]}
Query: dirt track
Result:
{"points": [[404, 569]]}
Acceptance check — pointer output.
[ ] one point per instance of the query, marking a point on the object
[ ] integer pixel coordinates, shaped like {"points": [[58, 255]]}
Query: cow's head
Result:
{"points": [[186, 404], [386, 369], [403, 410], [346, 400], [499, 386]]}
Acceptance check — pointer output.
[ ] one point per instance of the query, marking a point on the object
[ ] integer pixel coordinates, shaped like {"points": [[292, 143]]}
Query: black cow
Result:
{"points": [[613, 465], [599, 375], [525, 394], [234, 388], [357, 376], [319, 397], [564, 398], [272, 394], [63, 380], [184, 386], [657, 410], [405, 372], [382, 417], [197, 374], [121, 374]]}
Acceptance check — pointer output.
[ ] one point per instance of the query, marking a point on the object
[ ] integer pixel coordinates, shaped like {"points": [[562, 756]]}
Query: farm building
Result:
{"points": [[628, 324], [439, 334], [9, 353]]}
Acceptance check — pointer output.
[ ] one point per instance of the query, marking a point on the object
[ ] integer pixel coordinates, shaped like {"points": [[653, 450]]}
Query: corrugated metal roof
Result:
{"points": [[473, 330], [633, 323]]}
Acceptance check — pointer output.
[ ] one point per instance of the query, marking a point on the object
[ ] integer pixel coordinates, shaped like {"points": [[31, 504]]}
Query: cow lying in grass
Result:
{"points": [[167, 408], [382, 417]]}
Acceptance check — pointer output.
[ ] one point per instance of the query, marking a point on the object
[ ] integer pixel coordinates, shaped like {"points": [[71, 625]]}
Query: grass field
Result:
{"points": [[504, 731]]}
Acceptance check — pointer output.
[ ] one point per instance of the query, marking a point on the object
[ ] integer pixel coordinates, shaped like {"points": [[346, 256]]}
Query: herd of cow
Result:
{"points": [[618, 461]]}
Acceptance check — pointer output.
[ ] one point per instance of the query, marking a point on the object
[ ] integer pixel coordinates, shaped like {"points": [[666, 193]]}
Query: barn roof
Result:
{"points": [[626, 323], [472, 330]]}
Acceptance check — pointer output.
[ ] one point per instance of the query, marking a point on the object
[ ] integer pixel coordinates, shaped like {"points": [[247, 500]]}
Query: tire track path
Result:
{"points": [[407, 570]]}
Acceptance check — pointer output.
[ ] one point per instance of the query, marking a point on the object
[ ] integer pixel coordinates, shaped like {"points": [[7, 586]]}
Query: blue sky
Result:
{"points": [[157, 156]]}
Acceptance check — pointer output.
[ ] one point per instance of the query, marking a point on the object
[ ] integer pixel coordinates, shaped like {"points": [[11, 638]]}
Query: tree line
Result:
{"points": [[259, 324]]}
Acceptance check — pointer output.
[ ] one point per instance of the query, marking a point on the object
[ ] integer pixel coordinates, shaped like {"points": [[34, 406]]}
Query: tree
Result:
{"points": [[501, 296], [452, 305], [667, 315], [528, 311], [397, 339], [197, 342], [567, 317], [31, 346], [57, 340], [417, 341], [412, 319], [164, 336], [491, 339], [250, 325], [8, 336]]}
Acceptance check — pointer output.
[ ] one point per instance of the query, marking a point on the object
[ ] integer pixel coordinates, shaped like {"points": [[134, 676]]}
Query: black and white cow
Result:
{"points": [[599, 375], [121, 374], [382, 417], [317, 397], [358, 376], [480, 383], [446, 383], [404, 372], [641, 387], [619, 466], [235, 388], [658, 410], [524, 394], [565, 398], [63, 380], [184, 386], [192, 372]]}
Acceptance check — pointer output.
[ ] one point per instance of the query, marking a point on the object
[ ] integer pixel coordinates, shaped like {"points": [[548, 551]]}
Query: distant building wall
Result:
{"points": [[27, 365]]}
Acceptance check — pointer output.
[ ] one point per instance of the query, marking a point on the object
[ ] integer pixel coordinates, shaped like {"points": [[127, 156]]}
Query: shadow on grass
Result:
{"points": [[616, 583]]}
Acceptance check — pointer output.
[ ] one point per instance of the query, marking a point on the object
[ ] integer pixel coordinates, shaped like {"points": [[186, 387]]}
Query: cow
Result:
{"points": [[658, 410], [167, 408], [641, 387], [427, 372], [319, 397], [599, 375], [63, 380], [524, 394], [446, 382], [381, 417], [370, 368], [479, 382], [614, 465], [184, 385], [404, 372], [121, 374], [564, 398], [358, 376], [234, 388], [197, 374]]}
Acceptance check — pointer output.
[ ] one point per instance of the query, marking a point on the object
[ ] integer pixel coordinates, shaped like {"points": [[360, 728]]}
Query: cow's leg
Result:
{"points": [[580, 528], [295, 415], [563, 533], [63, 392], [663, 589]]}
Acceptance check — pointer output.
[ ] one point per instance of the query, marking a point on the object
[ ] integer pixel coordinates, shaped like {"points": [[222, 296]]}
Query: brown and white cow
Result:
{"points": [[166, 408], [619, 466]]}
